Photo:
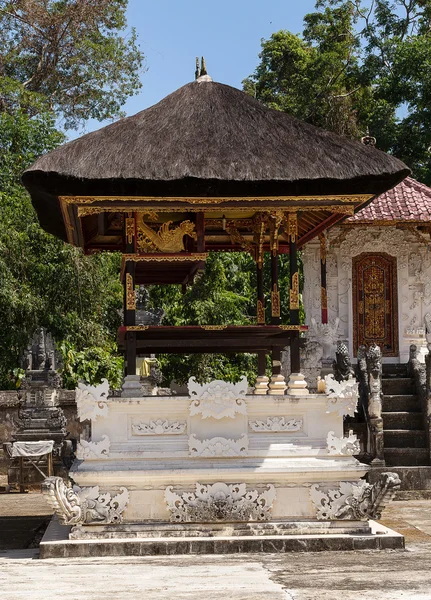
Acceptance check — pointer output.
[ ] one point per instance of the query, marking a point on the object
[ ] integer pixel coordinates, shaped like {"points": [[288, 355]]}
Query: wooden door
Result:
{"points": [[375, 305]]}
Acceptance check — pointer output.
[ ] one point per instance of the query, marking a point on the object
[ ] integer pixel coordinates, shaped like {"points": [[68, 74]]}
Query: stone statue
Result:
{"points": [[326, 334], [342, 365], [374, 369], [40, 354], [144, 316]]}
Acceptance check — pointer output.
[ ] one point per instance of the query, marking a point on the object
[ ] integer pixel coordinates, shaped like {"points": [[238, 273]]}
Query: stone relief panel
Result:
{"points": [[218, 399], [353, 500], [218, 446], [86, 450], [345, 446], [159, 427], [91, 401], [276, 424], [220, 502], [88, 505]]}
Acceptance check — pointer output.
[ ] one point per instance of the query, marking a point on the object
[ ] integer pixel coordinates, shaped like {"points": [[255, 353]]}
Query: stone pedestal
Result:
{"points": [[297, 386], [132, 387], [277, 385], [261, 386]]}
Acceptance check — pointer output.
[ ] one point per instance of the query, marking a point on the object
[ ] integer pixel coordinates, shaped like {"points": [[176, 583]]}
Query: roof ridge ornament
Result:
{"points": [[201, 74]]}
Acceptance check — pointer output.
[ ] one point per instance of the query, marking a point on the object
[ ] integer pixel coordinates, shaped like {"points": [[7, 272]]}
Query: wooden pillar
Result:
{"points": [[294, 273], [129, 295], [276, 220], [323, 284]]}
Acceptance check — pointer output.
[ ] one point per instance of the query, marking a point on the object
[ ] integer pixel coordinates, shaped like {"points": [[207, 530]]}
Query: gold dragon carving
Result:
{"points": [[164, 239]]}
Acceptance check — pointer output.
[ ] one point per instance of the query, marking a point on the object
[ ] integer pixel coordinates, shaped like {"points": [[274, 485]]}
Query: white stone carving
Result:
{"points": [[91, 400], [159, 427], [325, 334], [345, 446], [76, 506], [354, 500], [93, 450], [275, 424], [220, 502], [396, 242], [218, 399], [218, 446], [342, 396]]}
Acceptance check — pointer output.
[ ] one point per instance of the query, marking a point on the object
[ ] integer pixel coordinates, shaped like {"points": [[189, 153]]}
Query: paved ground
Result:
{"points": [[385, 575]]}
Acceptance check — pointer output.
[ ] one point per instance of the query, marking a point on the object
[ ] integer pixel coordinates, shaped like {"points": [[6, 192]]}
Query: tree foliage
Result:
{"points": [[359, 67], [77, 54], [58, 60]]}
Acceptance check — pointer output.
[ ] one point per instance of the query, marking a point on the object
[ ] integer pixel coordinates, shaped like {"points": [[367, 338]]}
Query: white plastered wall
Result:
{"points": [[413, 279]]}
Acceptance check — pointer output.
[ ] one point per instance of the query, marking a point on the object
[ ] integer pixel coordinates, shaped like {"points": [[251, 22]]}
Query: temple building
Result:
{"points": [[221, 469], [377, 274]]}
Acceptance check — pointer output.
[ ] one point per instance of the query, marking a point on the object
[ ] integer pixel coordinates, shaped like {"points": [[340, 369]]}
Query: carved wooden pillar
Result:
{"points": [[294, 273], [323, 284], [276, 220], [129, 295]]}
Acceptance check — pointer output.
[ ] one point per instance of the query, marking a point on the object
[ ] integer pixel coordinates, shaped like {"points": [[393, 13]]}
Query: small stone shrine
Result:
{"points": [[39, 419]]}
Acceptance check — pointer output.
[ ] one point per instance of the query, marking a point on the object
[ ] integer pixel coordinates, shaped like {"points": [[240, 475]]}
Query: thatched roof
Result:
{"points": [[209, 139]]}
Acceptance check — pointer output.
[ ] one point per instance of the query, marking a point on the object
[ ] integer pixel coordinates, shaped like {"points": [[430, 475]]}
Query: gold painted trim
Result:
{"points": [[213, 327], [85, 211], [213, 200], [260, 313], [130, 229], [137, 327], [198, 256], [293, 327], [275, 301], [130, 293], [294, 292]]}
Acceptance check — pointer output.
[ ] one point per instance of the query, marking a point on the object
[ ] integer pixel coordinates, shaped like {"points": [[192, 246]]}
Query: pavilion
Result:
{"points": [[211, 169]]}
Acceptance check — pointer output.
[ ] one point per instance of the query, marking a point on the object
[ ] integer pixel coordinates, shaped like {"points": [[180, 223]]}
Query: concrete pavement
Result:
{"points": [[384, 575]]}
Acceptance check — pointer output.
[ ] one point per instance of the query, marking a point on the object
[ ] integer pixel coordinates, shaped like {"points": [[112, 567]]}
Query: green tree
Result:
{"points": [[62, 60], [359, 67], [78, 55]]}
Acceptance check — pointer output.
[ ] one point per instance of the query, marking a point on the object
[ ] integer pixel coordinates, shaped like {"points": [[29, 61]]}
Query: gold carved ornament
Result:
{"points": [[294, 292], [130, 293], [237, 238], [213, 327], [195, 257], [324, 298], [260, 222], [165, 239], [293, 327], [260, 313], [275, 301], [137, 327], [130, 229], [322, 240], [276, 219], [292, 227]]}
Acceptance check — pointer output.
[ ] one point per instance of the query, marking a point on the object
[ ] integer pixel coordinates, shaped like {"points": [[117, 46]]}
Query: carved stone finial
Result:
{"points": [[198, 70], [203, 67]]}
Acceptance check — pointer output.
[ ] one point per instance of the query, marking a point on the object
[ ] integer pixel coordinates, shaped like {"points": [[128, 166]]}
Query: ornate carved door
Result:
{"points": [[375, 306]]}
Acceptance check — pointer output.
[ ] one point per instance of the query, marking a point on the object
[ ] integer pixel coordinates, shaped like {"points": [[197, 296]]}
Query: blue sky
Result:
{"points": [[228, 33]]}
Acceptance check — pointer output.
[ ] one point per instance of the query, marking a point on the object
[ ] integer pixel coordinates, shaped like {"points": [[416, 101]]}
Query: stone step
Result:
{"points": [[412, 477], [398, 385], [404, 438], [405, 457], [402, 420], [401, 403], [394, 370], [55, 544]]}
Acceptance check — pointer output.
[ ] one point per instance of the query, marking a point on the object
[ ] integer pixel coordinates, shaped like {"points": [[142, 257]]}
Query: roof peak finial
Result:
{"points": [[201, 73]]}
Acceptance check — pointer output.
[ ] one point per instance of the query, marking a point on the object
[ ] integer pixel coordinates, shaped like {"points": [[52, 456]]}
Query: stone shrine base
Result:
{"points": [[226, 538]]}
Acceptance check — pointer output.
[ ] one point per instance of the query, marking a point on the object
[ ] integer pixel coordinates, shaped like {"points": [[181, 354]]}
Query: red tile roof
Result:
{"points": [[408, 201]]}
